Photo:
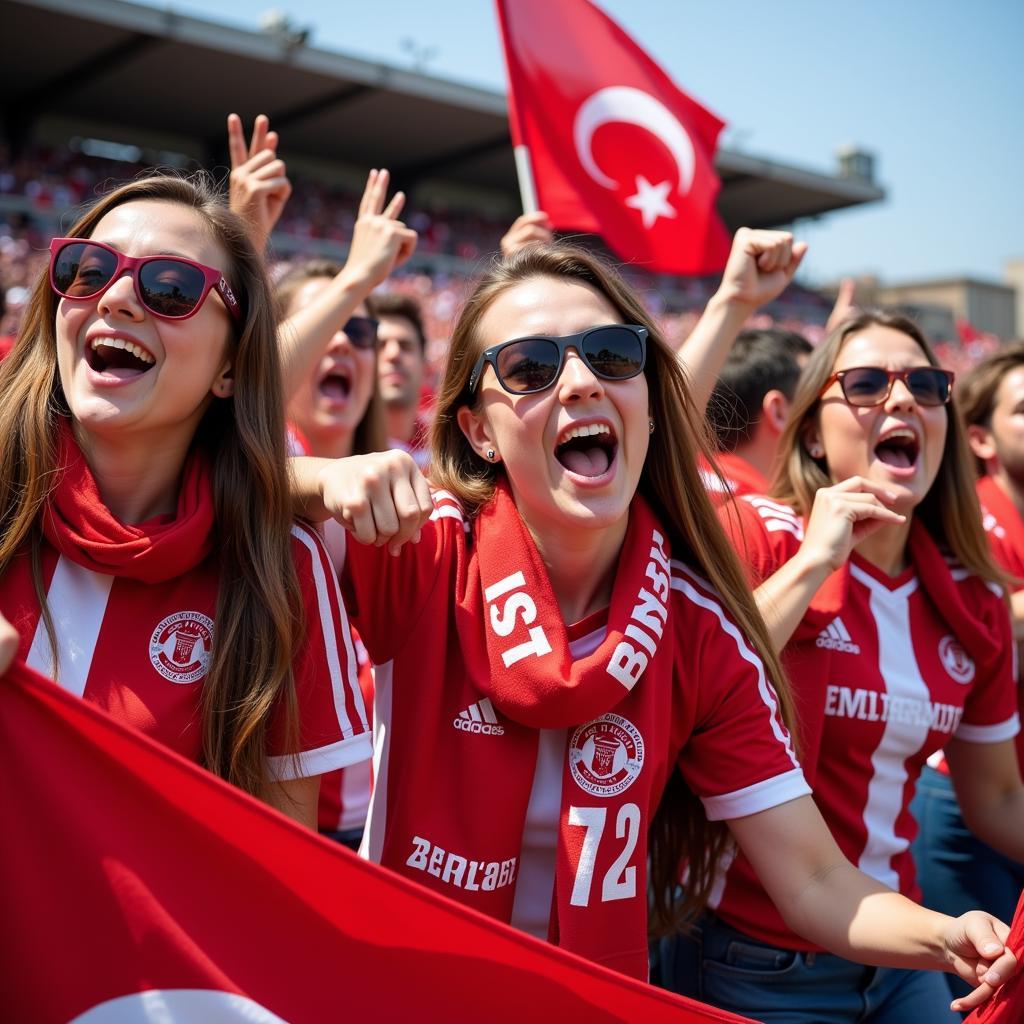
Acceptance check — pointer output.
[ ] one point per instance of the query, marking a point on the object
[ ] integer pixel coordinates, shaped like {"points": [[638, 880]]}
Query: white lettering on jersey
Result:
{"points": [[503, 619], [872, 706], [463, 873], [647, 621]]}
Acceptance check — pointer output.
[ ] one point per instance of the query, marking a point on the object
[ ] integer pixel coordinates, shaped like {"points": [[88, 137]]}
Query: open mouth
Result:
{"points": [[117, 357], [587, 450], [899, 449], [336, 385]]}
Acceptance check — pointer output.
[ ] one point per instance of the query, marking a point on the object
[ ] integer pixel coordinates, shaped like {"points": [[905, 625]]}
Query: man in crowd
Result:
{"points": [[401, 367]]}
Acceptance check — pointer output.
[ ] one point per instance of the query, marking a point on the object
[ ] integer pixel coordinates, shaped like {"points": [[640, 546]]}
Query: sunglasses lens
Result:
{"points": [[528, 365], [361, 331], [81, 270], [614, 352], [929, 385], [171, 288], [866, 385]]}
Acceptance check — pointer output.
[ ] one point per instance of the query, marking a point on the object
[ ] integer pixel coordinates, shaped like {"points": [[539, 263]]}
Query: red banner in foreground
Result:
{"points": [[137, 887], [1007, 1005]]}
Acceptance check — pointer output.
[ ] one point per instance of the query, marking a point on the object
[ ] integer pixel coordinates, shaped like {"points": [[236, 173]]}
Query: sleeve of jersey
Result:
{"points": [[385, 595], [991, 713], [739, 758], [331, 730], [764, 534]]}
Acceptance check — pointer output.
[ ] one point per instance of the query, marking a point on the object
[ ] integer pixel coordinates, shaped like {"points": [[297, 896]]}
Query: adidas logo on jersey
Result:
{"points": [[834, 637], [479, 718]]}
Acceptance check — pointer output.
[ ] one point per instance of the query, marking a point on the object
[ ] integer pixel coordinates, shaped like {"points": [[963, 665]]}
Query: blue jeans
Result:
{"points": [[957, 871], [721, 966]]}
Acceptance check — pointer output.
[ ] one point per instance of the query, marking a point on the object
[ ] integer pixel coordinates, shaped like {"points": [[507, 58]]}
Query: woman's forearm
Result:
{"points": [[783, 598]]}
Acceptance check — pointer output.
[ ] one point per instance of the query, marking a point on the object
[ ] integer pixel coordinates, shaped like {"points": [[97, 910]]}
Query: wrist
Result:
{"points": [[726, 301]]}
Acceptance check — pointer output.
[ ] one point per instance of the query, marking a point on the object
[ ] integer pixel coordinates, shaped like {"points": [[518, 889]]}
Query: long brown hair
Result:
{"points": [[258, 618], [949, 510], [680, 832], [370, 434]]}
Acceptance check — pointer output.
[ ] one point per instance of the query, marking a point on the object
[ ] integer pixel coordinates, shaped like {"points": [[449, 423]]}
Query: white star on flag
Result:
{"points": [[651, 200]]}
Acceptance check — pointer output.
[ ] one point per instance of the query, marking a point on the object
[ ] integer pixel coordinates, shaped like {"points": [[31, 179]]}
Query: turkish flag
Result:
{"points": [[136, 887], [615, 147], [1007, 1005]]}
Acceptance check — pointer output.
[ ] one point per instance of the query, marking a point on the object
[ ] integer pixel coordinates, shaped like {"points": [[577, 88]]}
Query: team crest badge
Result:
{"points": [[180, 646], [606, 755], [956, 661]]}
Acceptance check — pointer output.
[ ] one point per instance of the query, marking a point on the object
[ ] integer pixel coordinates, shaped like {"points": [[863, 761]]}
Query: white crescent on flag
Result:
{"points": [[179, 1006], [626, 105]]}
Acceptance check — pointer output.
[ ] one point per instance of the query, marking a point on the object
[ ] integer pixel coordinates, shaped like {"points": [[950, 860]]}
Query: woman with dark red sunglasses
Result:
{"points": [[874, 577], [572, 674], [147, 554]]}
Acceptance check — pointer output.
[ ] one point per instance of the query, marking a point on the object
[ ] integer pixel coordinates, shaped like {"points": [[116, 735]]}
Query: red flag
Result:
{"points": [[616, 148], [1007, 1005], [133, 881]]}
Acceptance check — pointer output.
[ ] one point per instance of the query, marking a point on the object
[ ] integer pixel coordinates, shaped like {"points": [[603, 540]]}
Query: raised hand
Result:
{"points": [[380, 241], [259, 185], [760, 265], [526, 228], [846, 304]]}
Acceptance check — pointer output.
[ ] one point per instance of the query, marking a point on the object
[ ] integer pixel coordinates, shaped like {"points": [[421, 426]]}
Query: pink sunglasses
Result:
{"points": [[170, 287]]}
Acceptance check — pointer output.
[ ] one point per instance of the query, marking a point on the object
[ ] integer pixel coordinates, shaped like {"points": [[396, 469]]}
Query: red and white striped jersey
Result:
{"points": [[881, 680], [141, 651]]}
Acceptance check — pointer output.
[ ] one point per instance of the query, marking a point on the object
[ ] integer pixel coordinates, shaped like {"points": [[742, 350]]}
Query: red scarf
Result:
{"points": [[538, 685], [82, 528]]}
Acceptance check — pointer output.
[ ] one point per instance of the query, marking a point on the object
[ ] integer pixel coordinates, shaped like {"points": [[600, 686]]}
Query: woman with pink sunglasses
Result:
{"points": [[148, 557]]}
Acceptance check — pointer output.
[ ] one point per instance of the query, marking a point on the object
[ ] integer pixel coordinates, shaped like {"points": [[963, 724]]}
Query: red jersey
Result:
{"points": [[717, 721], [140, 651], [881, 678], [738, 478]]}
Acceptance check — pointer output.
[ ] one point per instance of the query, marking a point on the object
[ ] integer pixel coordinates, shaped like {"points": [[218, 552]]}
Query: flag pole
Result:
{"points": [[524, 172]]}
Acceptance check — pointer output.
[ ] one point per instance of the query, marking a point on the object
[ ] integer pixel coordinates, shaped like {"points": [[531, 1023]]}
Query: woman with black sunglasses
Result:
{"points": [[573, 683], [875, 580], [148, 557]]}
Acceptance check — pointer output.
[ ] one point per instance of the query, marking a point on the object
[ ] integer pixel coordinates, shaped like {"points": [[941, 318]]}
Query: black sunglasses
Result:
{"points": [[872, 385], [524, 366], [361, 331]]}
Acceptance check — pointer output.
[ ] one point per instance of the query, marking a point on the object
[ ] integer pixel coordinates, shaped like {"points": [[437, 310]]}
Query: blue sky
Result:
{"points": [[935, 88]]}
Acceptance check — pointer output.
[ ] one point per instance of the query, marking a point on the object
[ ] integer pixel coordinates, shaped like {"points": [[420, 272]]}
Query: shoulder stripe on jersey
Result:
{"points": [[959, 573], [765, 506], [759, 797], [784, 525], [326, 583], [997, 733], [447, 512], [77, 598], [286, 767], [766, 690]]}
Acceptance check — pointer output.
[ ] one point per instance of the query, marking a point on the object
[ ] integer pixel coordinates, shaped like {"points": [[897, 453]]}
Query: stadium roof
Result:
{"points": [[156, 72]]}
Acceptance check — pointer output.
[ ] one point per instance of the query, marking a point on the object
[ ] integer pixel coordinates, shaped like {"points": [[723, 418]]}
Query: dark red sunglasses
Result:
{"points": [[170, 287]]}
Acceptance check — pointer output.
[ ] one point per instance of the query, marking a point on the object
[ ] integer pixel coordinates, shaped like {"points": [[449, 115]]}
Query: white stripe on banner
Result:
{"points": [[77, 599]]}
